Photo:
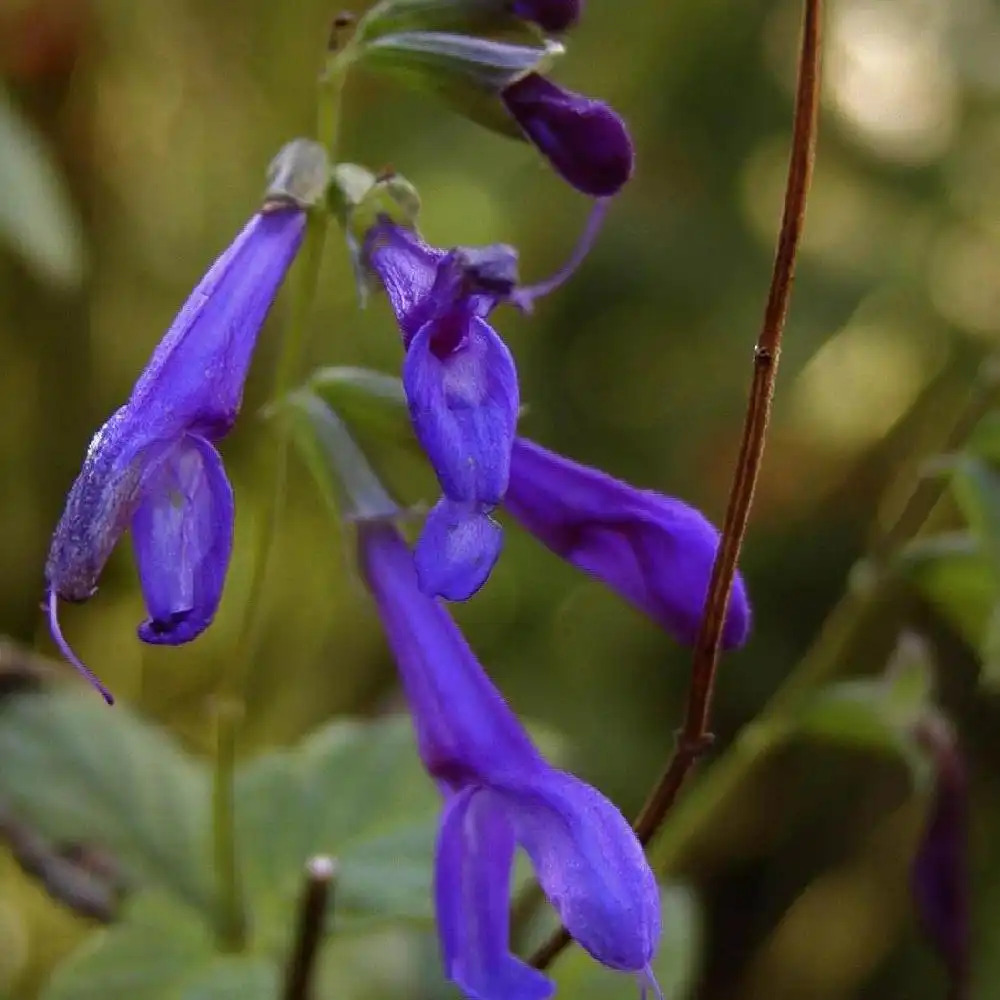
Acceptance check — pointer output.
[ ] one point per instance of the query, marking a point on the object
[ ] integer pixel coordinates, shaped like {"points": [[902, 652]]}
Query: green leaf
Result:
{"points": [[470, 16], [77, 770], [880, 714], [146, 956], [989, 652], [36, 216], [369, 400], [951, 571], [160, 951], [244, 977], [346, 481], [975, 484], [356, 792], [851, 713], [675, 966], [465, 72]]}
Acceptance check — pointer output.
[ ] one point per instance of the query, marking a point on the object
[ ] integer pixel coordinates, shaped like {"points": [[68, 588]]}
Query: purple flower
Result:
{"points": [[549, 15], [940, 876], [657, 552], [153, 467], [461, 388], [584, 140], [499, 794]]}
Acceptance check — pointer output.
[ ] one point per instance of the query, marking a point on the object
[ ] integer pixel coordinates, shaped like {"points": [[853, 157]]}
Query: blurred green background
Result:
{"points": [[162, 116]]}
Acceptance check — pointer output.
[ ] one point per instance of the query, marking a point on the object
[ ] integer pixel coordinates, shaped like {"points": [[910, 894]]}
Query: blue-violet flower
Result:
{"points": [[461, 388], [656, 551], [153, 466], [500, 793]]}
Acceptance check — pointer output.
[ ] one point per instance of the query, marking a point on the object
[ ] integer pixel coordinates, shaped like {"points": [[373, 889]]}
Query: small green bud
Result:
{"points": [[467, 73], [300, 173], [359, 199]]}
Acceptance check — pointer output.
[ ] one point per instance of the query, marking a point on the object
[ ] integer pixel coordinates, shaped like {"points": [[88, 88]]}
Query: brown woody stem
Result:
{"points": [[694, 736]]}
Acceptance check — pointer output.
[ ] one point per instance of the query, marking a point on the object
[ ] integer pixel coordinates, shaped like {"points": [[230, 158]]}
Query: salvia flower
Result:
{"points": [[153, 466], [655, 551], [500, 794], [549, 15], [940, 873], [585, 140], [462, 392]]}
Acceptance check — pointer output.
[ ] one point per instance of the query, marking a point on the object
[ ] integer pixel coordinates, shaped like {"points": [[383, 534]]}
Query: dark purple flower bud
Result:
{"points": [[501, 794], [940, 876], [583, 139], [657, 552], [153, 467], [549, 15]]}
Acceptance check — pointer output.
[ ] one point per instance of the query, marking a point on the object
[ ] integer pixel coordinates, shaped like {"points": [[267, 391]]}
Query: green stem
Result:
{"points": [[231, 924], [871, 585], [231, 927]]}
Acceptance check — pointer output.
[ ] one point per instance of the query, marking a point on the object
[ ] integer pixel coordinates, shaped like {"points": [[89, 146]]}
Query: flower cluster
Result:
{"points": [[153, 469]]}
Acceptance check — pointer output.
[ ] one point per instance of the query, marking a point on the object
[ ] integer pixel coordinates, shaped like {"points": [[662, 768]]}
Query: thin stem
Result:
{"points": [[694, 736], [851, 619], [313, 907], [231, 920], [289, 361], [231, 926]]}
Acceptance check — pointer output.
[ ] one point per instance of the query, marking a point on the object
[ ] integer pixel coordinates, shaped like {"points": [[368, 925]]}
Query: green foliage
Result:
{"points": [[878, 714], [484, 16], [159, 952], [959, 572], [37, 218], [465, 72], [76, 770], [355, 792]]}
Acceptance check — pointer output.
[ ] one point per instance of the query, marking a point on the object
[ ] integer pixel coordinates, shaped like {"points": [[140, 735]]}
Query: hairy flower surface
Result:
{"points": [[462, 392], [153, 466], [656, 551], [585, 140], [500, 794]]}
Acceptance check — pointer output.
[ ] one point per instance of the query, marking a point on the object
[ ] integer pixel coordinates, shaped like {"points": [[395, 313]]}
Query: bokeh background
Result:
{"points": [[161, 117]]}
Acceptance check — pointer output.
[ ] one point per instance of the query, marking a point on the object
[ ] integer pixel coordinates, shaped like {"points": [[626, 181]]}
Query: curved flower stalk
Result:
{"points": [[657, 552], [500, 794], [153, 466]]}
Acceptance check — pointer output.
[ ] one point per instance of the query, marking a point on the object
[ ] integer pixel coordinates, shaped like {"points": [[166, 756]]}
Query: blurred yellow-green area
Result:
{"points": [[162, 115]]}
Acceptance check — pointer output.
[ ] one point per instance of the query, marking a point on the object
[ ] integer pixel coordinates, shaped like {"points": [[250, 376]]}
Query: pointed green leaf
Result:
{"points": [[952, 572], [37, 218], [369, 400], [467, 73], [346, 481], [77, 770], [975, 484], [851, 713], [989, 675], [161, 951], [148, 956], [469, 16], [353, 791]]}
